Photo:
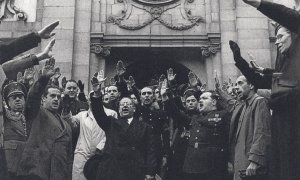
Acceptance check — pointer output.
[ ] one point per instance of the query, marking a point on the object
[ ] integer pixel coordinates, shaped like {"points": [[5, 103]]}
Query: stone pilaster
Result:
{"points": [[63, 10], [81, 59]]}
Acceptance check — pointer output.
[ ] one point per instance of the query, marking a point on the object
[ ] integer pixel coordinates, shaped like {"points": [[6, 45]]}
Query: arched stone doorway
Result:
{"points": [[145, 64]]}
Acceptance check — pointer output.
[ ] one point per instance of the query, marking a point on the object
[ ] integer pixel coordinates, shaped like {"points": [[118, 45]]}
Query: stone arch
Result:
{"points": [[147, 63]]}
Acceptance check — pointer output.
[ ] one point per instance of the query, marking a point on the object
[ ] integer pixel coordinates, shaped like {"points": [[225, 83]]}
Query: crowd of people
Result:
{"points": [[247, 129]]}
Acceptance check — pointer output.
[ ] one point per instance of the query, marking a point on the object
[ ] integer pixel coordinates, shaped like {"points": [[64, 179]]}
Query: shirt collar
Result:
{"points": [[130, 120]]}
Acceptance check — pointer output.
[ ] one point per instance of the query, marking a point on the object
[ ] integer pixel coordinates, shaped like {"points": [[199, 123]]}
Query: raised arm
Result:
{"points": [[10, 49], [34, 97], [283, 15], [96, 102], [259, 81]]}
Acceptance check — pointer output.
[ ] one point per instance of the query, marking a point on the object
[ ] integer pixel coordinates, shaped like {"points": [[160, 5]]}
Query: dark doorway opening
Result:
{"points": [[145, 64]]}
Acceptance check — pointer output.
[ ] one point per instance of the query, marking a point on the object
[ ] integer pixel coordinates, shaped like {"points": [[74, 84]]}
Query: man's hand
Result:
{"points": [[164, 88], [252, 168], [120, 68], [254, 3], [171, 75], [48, 69], [80, 85], [235, 50], [45, 54], [57, 73], [64, 82], [130, 83], [100, 77], [46, 32], [192, 79], [29, 74], [20, 77]]}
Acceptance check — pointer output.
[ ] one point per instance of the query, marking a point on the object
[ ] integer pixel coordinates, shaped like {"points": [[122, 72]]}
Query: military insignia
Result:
{"points": [[140, 118], [215, 119]]}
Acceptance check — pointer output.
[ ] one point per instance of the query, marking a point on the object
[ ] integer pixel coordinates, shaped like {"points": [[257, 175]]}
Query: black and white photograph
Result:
{"points": [[150, 90]]}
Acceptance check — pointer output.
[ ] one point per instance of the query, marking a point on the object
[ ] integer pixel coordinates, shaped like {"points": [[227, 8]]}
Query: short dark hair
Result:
{"points": [[51, 86], [72, 80]]}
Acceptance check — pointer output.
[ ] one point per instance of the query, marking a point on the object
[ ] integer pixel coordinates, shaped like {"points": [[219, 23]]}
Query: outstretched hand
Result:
{"points": [[46, 53], [48, 69], [120, 68], [192, 79], [46, 32], [171, 75]]}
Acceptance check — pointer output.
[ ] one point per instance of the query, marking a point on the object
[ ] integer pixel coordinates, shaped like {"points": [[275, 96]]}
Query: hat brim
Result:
{"points": [[15, 93]]}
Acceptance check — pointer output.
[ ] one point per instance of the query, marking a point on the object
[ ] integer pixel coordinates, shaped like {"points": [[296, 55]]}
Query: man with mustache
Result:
{"points": [[48, 152]]}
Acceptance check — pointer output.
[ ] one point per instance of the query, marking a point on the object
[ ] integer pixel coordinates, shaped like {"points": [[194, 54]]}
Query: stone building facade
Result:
{"points": [[149, 36]]}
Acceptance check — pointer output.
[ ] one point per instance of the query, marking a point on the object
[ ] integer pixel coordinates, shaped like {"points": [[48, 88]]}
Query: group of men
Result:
{"points": [[52, 130]]}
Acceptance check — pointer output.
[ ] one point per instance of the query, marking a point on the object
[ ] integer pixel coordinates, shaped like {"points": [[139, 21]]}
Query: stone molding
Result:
{"points": [[7, 7], [156, 9], [209, 44]]}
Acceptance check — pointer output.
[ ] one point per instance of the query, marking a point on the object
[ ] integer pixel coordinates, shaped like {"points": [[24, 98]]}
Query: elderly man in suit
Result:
{"points": [[129, 151], [47, 154]]}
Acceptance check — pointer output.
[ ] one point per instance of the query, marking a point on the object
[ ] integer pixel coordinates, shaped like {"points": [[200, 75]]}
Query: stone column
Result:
{"points": [[228, 32], [81, 60], [253, 34], [63, 10]]}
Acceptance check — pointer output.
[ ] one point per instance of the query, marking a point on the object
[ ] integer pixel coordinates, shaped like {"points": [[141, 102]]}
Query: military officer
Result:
{"points": [[206, 156], [15, 130]]}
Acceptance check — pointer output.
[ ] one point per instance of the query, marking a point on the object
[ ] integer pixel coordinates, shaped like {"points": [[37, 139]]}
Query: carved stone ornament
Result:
{"points": [[155, 2], [8, 10], [100, 50], [210, 50], [156, 10]]}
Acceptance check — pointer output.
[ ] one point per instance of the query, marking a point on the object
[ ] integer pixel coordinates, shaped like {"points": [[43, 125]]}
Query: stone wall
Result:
{"points": [[126, 23]]}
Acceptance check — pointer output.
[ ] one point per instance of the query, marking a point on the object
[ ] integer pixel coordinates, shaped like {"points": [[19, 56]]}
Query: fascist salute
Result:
{"points": [[129, 148]]}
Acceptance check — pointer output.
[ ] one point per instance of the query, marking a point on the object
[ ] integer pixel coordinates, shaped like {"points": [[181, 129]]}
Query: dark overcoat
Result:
{"points": [[129, 149], [47, 153], [285, 99]]}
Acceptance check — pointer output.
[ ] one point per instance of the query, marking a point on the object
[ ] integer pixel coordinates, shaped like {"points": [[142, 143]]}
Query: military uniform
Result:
{"points": [[207, 152], [15, 130], [159, 121], [207, 148]]}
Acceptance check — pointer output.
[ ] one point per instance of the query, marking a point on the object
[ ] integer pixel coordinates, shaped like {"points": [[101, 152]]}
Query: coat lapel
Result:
{"points": [[235, 117]]}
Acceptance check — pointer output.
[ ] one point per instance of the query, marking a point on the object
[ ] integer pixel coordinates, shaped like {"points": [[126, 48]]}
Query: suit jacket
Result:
{"points": [[250, 133], [131, 147], [47, 153]]}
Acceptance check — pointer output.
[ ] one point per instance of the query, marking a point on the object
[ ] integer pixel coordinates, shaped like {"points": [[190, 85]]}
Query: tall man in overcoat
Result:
{"points": [[47, 154], [250, 135], [285, 84]]}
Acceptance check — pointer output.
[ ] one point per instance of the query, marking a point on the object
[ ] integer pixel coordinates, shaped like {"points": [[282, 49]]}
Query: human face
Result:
{"points": [[206, 103], [147, 96], [52, 99], [113, 93], [134, 99], [106, 99], [71, 89], [191, 103], [243, 88], [126, 108], [283, 40], [16, 102]]}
